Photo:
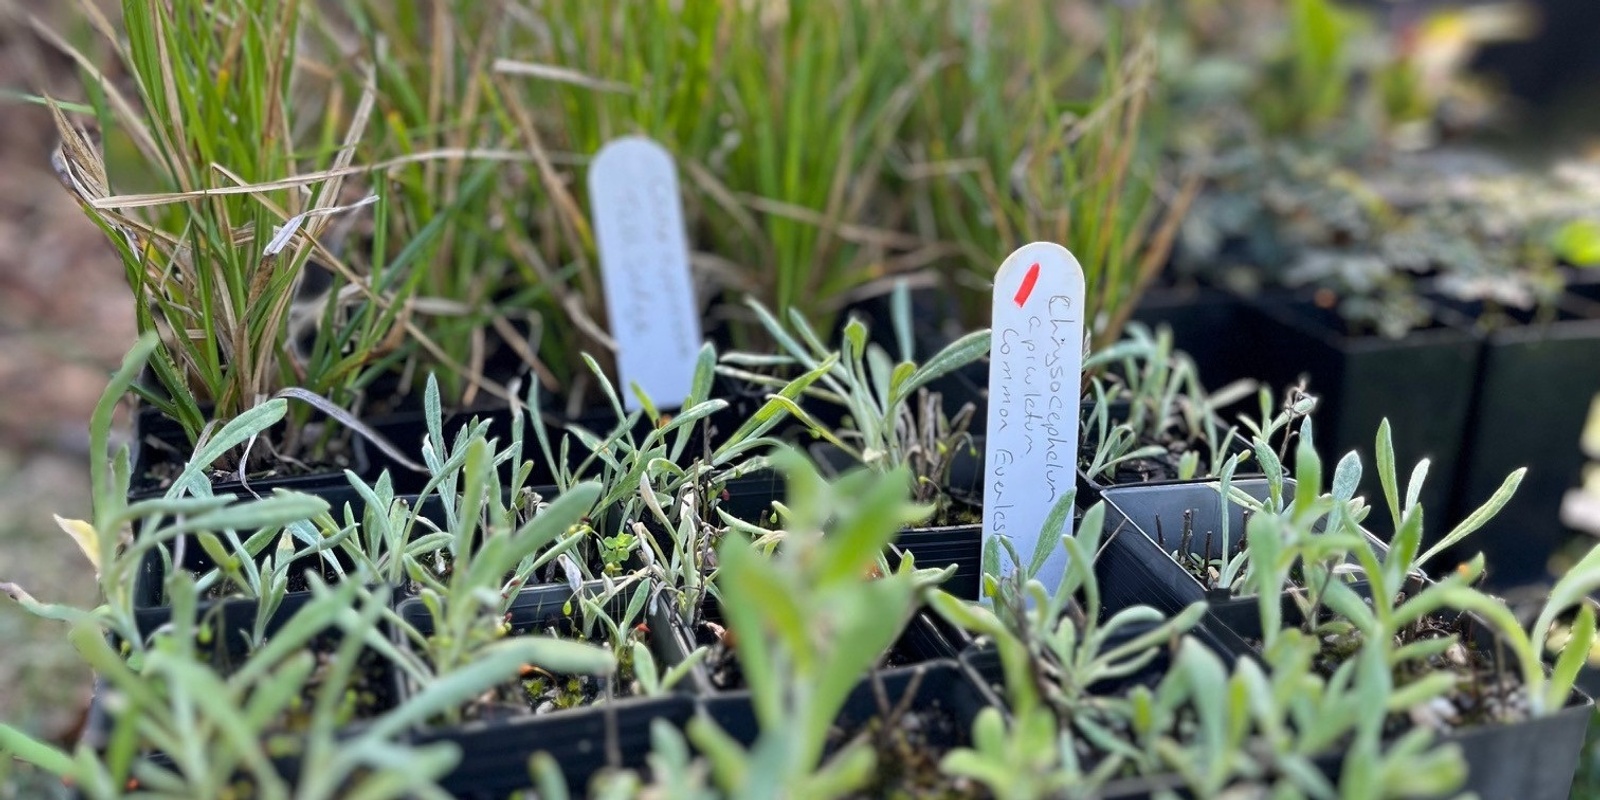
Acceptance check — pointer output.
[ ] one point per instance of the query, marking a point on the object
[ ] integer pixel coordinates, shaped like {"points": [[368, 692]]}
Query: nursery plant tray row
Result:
{"points": [[1478, 403], [1535, 758], [958, 674], [159, 449], [585, 739], [944, 666]]}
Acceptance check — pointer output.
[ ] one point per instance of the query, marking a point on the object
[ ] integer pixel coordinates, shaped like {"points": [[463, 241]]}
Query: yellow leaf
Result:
{"points": [[1590, 440], [88, 540]]}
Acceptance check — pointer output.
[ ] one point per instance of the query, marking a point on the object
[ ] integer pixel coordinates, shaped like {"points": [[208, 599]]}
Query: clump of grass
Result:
{"points": [[792, 124], [247, 153], [1035, 130], [781, 116], [826, 153], [470, 231]]}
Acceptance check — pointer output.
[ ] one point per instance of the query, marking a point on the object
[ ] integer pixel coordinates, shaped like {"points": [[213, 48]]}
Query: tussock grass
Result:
{"points": [[825, 151]]}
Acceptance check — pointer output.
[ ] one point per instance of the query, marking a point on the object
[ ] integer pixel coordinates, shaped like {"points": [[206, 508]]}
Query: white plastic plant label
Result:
{"points": [[1036, 359], [644, 267]]}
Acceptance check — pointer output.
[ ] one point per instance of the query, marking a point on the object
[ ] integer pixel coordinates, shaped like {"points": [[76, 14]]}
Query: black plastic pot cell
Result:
{"points": [[983, 663], [958, 545], [149, 589], [160, 450], [1422, 384], [945, 697], [920, 641], [583, 741], [1534, 759], [1090, 488], [539, 606], [1209, 325], [750, 499], [966, 476], [1118, 413], [495, 754], [1135, 568], [930, 632], [227, 645], [1145, 526], [935, 323], [1237, 622], [407, 431], [961, 545], [1535, 386]]}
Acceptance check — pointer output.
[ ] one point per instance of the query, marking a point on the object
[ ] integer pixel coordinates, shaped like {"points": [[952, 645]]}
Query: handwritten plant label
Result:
{"points": [[644, 267], [1035, 362]]}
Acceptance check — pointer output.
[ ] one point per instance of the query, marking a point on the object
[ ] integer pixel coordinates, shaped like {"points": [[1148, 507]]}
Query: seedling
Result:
{"points": [[1053, 648], [1172, 423], [885, 432], [809, 624]]}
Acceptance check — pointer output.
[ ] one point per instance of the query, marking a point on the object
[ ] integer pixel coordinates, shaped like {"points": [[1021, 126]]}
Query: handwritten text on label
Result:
{"points": [[644, 266], [1035, 366]]}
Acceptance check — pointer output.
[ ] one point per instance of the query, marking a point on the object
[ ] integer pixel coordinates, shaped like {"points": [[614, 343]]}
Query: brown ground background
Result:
{"points": [[66, 318]]}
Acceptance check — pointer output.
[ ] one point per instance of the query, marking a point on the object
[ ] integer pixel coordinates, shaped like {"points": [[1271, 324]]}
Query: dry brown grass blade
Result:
{"points": [[506, 66], [570, 302], [1155, 254], [114, 97], [311, 178], [919, 279], [475, 357], [725, 200], [1002, 222], [855, 234], [316, 218], [848, 198], [572, 221], [478, 86], [81, 169], [170, 142], [76, 159], [441, 74], [514, 340], [920, 258], [166, 198], [925, 170], [328, 195], [569, 216], [724, 273]]}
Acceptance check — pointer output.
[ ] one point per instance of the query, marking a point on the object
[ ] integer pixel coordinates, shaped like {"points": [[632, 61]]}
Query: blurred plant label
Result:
{"points": [[1036, 360], [644, 267]]}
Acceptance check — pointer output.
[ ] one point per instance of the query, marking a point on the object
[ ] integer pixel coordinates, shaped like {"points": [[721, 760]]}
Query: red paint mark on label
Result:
{"points": [[1027, 285]]}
